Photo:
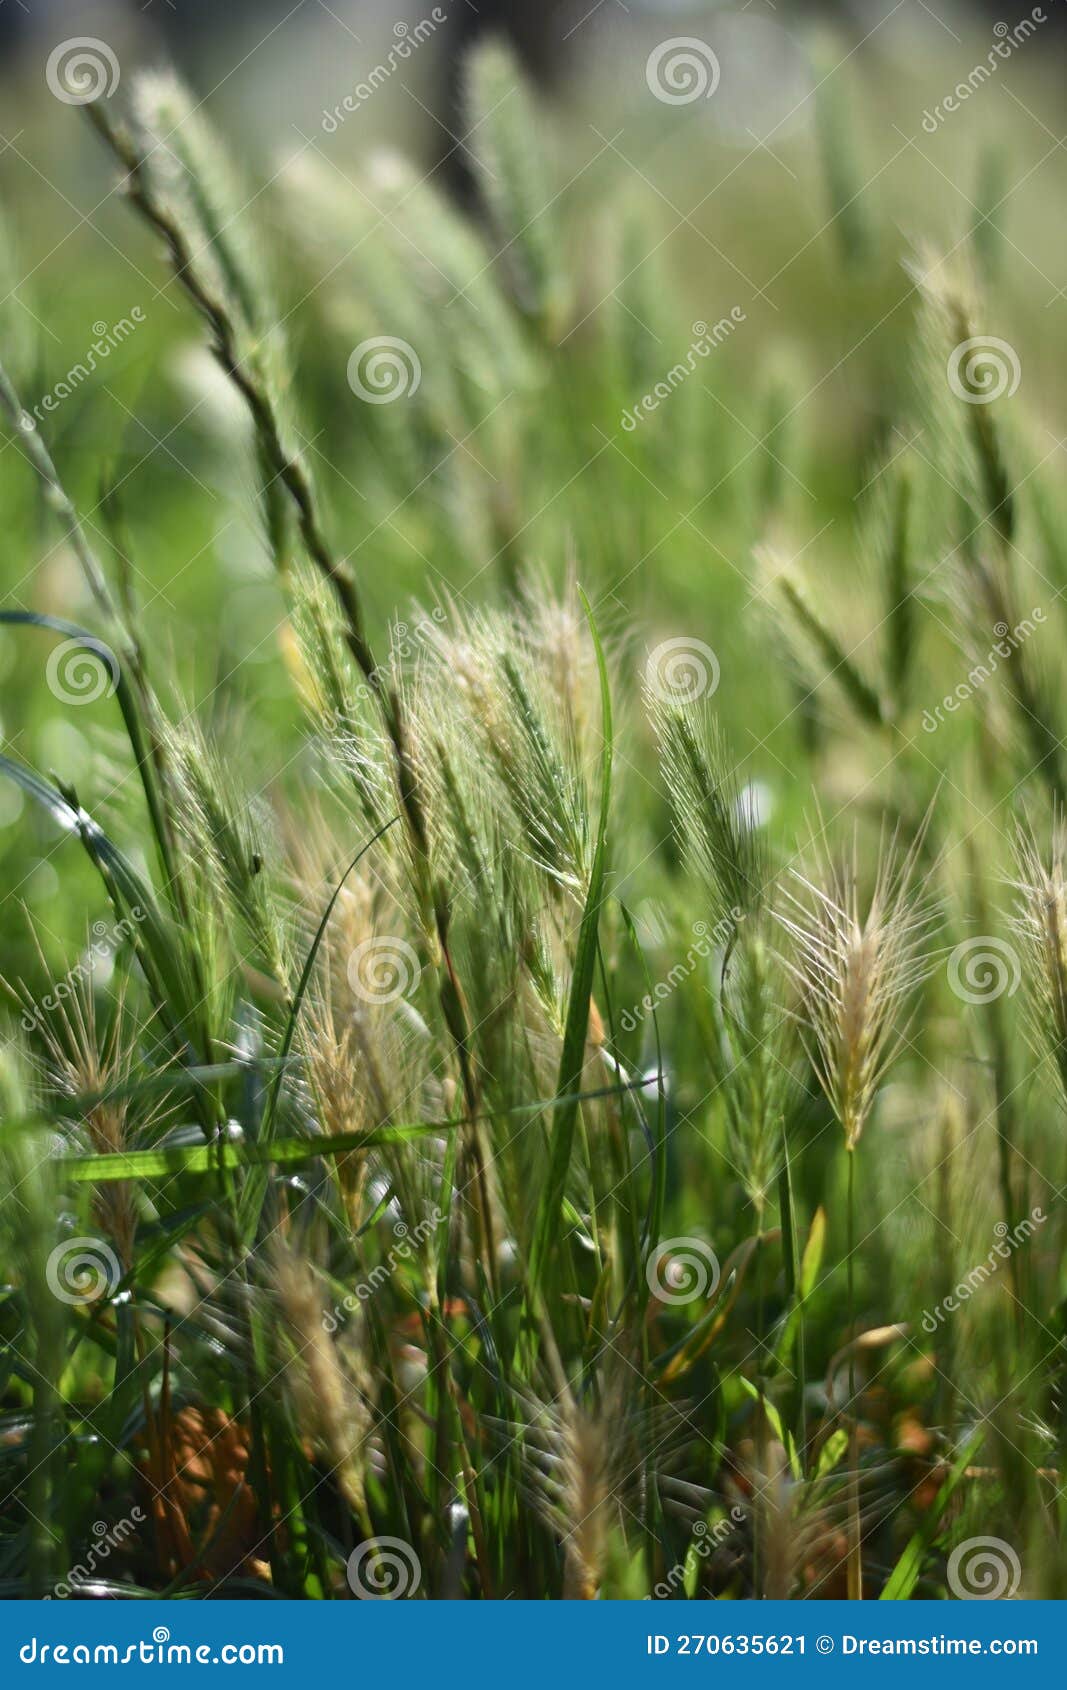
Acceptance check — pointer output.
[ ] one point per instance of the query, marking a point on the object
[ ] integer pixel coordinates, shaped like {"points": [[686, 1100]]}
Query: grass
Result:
{"points": [[431, 1167]]}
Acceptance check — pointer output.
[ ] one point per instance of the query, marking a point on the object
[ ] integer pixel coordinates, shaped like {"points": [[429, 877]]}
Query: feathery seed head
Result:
{"points": [[712, 821], [1040, 923], [856, 970]]}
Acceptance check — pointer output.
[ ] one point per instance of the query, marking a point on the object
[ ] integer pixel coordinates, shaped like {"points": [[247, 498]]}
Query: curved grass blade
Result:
{"points": [[305, 979], [155, 940], [136, 704], [905, 1575]]}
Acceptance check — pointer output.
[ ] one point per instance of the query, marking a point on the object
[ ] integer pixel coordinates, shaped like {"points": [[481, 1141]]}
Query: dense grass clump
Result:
{"points": [[481, 1149]]}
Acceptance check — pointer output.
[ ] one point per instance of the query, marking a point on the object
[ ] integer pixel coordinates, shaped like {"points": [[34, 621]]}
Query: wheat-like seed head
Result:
{"points": [[82, 1057], [711, 821], [800, 1523], [331, 1389], [524, 686], [582, 1466], [1040, 922], [758, 1082], [856, 970]]}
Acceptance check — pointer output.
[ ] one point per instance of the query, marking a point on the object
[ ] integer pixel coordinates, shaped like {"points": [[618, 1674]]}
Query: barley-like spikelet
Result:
{"points": [[230, 845], [798, 1524], [892, 524], [1040, 922], [843, 168], [192, 170], [970, 436], [856, 969], [820, 648], [757, 1084], [582, 1464], [509, 148], [340, 708], [333, 1403], [995, 626], [714, 828], [585, 1501], [522, 686], [83, 1059]]}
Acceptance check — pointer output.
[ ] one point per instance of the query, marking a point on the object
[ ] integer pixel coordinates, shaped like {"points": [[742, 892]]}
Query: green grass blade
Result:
{"points": [[202, 1158], [905, 1575], [128, 704]]}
